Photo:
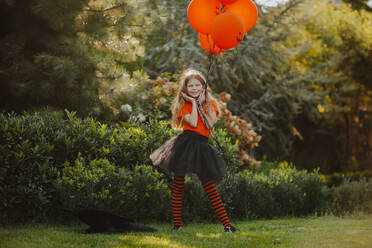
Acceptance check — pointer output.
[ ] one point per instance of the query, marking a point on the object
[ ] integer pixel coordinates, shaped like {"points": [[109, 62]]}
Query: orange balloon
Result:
{"points": [[227, 30], [207, 43], [247, 10], [226, 2], [201, 14]]}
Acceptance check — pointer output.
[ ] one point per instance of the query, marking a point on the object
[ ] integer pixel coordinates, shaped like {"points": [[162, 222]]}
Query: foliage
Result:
{"points": [[334, 42], [76, 163], [148, 99], [303, 67], [141, 193], [279, 191], [88, 167], [41, 174], [350, 197], [171, 44], [144, 194], [66, 136], [36, 147], [301, 77], [238, 127], [65, 53], [335, 179], [26, 173]]}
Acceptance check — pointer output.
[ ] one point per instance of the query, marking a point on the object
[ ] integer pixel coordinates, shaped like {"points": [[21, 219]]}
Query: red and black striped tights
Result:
{"points": [[211, 191]]}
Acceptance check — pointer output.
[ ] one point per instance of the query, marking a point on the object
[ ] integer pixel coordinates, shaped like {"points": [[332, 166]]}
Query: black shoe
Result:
{"points": [[177, 228], [229, 229]]}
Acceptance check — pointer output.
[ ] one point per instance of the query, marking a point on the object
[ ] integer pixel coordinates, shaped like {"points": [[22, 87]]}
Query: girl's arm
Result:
{"points": [[211, 116], [210, 113], [191, 119]]}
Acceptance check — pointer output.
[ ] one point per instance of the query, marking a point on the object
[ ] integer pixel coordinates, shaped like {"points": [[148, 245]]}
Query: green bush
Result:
{"points": [[279, 191], [85, 183], [223, 142], [141, 193], [350, 197], [26, 178], [246, 197], [52, 160], [35, 147]]}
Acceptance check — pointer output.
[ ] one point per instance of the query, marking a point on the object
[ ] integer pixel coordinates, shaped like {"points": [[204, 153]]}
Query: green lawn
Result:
{"points": [[311, 232]]}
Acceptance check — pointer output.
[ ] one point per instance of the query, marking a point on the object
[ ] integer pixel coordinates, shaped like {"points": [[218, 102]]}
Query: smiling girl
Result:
{"points": [[195, 112]]}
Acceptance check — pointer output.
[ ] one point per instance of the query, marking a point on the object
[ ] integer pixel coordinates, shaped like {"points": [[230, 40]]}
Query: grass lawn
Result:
{"points": [[314, 232]]}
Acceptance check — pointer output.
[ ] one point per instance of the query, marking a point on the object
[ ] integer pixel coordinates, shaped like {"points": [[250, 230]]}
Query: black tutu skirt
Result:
{"points": [[192, 153]]}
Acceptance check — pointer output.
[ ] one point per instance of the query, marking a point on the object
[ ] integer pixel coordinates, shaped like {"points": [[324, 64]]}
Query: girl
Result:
{"points": [[195, 112]]}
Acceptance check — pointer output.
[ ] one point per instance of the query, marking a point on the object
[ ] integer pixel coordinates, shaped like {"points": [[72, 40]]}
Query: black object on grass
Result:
{"points": [[101, 221]]}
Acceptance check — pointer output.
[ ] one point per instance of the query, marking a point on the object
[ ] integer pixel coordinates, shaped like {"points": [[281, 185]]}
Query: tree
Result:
{"points": [[60, 53], [337, 40], [172, 43]]}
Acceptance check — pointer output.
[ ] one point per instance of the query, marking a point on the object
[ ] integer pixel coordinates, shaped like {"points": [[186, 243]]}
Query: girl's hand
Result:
{"points": [[187, 98]]}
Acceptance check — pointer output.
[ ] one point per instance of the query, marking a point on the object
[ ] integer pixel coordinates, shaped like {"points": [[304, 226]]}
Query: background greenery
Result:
{"points": [[55, 163], [300, 77]]}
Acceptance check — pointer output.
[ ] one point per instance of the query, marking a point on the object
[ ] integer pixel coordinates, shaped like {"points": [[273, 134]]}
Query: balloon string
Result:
{"points": [[206, 86], [209, 70]]}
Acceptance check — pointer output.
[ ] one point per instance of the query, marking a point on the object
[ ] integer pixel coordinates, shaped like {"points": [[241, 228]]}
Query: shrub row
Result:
{"points": [[51, 161], [35, 148], [144, 194], [350, 197], [279, 191], [141, 193]]}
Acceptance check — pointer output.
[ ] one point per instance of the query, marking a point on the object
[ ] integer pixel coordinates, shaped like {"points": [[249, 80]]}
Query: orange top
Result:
{"points": [[200, 126]]}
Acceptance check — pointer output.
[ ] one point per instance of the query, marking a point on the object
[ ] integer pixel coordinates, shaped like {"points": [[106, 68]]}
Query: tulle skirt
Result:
{"points": [[191, 153]]}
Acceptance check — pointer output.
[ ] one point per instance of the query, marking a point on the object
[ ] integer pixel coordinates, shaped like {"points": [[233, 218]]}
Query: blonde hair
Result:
{"points": [[178, 101]]}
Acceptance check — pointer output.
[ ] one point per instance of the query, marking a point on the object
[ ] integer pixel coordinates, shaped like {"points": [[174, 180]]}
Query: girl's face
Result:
{"points": [[194, 88]]}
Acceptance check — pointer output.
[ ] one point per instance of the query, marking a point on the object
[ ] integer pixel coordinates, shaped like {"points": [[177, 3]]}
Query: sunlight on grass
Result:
{"points": [[152, 241], [211, 235]]}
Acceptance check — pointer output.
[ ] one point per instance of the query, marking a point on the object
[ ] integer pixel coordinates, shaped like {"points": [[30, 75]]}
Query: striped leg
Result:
{"points": [[211, 191], [178, 186]]}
